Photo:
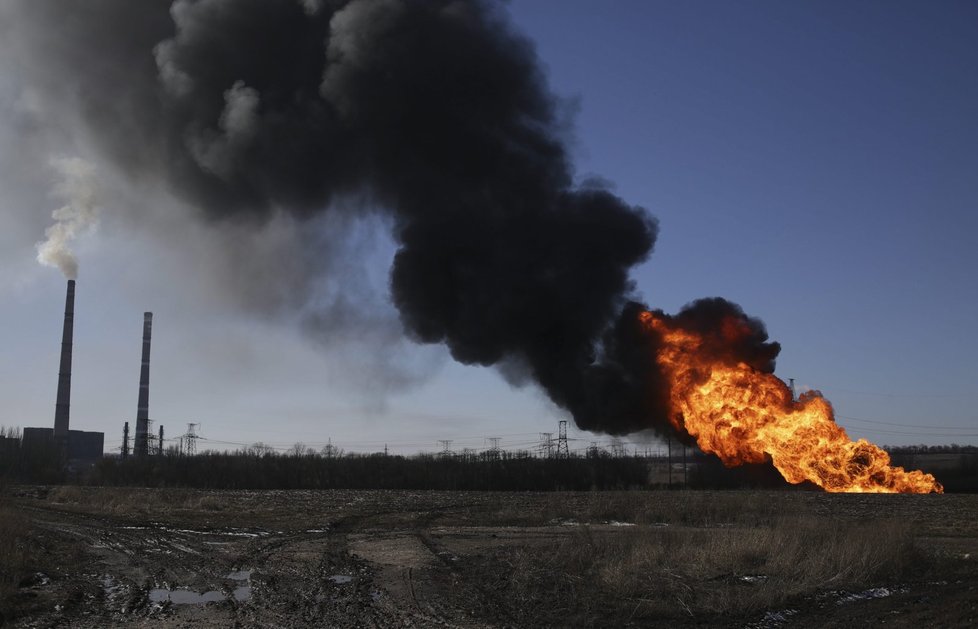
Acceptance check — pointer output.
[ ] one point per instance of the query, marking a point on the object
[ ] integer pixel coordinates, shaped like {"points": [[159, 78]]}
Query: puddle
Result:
{"points": [[865, 595], [185, 597], [773, 620], [240, 575], [340, 579], [241, 593]]}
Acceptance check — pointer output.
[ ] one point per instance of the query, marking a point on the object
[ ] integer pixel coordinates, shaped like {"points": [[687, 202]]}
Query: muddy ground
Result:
{"points": [[187, 558]]}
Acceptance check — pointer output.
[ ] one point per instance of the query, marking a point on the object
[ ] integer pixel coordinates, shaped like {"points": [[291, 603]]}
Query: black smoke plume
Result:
{"points": [[436, 111]]}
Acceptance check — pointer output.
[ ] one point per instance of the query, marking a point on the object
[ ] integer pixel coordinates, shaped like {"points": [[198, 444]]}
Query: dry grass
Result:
{"points": [[14, 552], [595, 576], [125, 501], [686, 508], [735, 570]]}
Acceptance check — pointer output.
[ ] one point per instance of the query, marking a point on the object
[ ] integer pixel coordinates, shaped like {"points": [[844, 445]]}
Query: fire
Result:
{"points": [[743, 415]]}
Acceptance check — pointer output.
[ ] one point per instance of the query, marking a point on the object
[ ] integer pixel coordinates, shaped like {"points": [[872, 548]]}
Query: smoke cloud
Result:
{"points": [[433, 113], [77, 185]]}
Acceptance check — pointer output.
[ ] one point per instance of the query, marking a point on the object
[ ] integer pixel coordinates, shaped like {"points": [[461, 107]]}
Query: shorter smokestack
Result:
{"points": [[64, 374], [141, 445]]}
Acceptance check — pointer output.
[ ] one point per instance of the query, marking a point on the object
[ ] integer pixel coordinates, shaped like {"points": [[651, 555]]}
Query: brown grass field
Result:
{"points": [[98, 557]]}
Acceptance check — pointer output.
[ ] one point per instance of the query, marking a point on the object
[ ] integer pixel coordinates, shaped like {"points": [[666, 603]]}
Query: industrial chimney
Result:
{"points": [[64, 375], [141, 445]]}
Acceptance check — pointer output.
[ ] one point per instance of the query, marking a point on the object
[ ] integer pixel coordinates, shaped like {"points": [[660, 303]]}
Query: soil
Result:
{"points": [[395, 559]]}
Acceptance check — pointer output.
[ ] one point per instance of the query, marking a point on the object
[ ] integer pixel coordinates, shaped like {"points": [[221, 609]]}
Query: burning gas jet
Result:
{"points": [[744, 415]]}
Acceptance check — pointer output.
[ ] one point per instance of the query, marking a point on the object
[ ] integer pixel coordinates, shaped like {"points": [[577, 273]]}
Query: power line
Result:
{"points": [[921, 426], [896, 395]]}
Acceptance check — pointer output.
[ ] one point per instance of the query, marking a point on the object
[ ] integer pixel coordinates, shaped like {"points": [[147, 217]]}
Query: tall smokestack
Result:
{"points": [[64, 374], [141, 446]]}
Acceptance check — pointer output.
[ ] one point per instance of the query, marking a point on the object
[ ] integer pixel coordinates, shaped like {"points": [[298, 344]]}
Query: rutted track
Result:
{"points": [[298, 577]]}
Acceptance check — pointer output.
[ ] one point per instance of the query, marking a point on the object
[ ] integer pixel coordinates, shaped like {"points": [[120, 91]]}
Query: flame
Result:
{"points": [[746, 416]]}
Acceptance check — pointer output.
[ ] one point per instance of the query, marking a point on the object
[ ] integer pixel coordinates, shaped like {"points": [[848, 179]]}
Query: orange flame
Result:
{"points": [[745, 416]]}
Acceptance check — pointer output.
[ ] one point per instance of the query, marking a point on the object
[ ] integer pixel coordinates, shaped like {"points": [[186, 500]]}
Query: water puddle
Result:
{"points": [[865, 595], [773, 620], [241, 593], [183, 596], [340, 579]]}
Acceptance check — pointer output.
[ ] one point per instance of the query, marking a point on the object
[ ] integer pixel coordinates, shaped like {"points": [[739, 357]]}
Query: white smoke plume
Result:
{"points": [[77, 186]]}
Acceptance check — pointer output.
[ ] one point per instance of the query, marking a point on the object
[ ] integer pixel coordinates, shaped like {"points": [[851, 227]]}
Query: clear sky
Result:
{"points": [[816, 162]]}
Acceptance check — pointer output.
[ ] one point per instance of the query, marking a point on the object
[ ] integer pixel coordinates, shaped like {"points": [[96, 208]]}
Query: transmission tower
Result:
{"points": [[446, 445], [493, 447], [142, 443], [562, 451], [547, 444], [190, 440]]}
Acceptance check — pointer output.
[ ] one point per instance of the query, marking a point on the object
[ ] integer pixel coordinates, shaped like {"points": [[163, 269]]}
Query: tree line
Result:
{"points": [[261, 467]]}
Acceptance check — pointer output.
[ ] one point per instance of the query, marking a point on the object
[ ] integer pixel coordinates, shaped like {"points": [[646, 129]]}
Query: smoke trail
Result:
{"points": [[77, 185], [436, 111]]}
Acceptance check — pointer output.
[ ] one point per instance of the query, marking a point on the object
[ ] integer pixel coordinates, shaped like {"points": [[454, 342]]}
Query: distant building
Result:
{"points": [[85, 445], [82, 445]]}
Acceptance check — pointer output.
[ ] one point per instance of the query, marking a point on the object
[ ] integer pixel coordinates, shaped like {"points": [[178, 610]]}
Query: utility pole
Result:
{"points": [[160, 451], [125, 441], [562, 451], [685, 447], [670, 461]]}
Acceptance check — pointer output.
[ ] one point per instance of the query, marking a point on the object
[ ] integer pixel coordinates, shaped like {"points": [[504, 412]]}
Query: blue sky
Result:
{"points": [[816, 162]]}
